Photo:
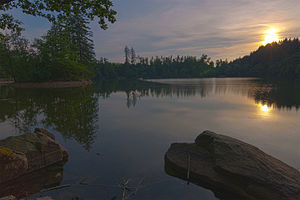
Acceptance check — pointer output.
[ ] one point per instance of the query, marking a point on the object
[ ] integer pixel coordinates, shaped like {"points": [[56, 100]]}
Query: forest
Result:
{"points": [[275, 60], [66, 53]]}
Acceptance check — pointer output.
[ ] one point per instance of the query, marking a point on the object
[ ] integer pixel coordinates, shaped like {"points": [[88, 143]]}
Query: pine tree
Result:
{"points": [[132, 56], [80, 41], [127, 54]]}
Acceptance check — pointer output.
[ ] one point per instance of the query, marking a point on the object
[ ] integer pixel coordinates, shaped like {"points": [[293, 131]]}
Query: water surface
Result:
{"points": [[116, 131]]}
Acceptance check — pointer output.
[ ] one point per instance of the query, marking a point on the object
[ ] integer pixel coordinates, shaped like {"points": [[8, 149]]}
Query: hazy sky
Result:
{"points": [[219, 28]]}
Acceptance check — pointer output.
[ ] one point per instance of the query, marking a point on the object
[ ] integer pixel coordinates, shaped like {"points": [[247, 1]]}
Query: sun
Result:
{"points": [[265, 108], [271, 36]]}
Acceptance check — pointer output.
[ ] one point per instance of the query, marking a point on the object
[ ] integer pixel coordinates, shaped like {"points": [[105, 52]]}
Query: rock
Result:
{"points": [[12, 164], [9, 198], [34, 182], [44, 198], [233, 169], [24, 154]]}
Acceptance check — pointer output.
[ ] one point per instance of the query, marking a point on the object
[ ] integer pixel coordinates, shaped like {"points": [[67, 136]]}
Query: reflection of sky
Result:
{"points": [[219, 28], [137, 138], [132, 141]]}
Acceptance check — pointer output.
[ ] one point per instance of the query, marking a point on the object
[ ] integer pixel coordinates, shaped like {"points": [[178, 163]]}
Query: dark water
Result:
{"points": [[119, 131]]}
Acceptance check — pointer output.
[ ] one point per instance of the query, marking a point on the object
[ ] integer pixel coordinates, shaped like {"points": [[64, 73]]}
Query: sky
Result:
{"points": [[219, 28]]}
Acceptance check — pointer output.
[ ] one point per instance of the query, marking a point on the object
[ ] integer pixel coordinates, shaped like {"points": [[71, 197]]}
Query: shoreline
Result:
{"points": [[55, 84]]}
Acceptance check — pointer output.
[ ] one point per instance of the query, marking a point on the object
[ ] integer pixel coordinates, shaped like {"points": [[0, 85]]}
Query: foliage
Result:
{"points": [[159, 67], [64, 53], [55, 10], [8, 22], [274, 60], [14, 53]]}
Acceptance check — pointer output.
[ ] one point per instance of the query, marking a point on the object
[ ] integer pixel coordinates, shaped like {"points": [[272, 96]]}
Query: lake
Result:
{"points": [[117, 133]]}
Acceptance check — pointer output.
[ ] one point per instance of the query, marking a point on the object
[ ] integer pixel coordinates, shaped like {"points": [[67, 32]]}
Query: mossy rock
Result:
{"points": [[29, 152], [6, 152]]}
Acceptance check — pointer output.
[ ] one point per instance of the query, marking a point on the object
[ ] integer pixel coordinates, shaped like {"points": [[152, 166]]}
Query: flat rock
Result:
{"points": [[10, 197], [232, 169], [27, 153]]}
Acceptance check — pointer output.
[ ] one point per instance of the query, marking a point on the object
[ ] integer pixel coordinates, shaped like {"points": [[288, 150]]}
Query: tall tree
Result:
{"points": [[79, 33], [58, 56], [127, 54], [132, 56]]}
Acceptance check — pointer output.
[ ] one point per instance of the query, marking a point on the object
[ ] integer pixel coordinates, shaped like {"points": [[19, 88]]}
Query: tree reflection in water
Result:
{"points": [[71, 112], [74, 112]]}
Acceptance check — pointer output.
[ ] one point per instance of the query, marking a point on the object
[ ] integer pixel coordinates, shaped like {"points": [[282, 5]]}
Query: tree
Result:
{"points": [[8, 22], [58, 56], [132, 56], [127, 55], [14, 53], [61, 9], [80, 41]]}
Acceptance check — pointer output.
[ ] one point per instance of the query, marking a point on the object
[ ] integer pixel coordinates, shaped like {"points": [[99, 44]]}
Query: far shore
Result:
{"points": [[54, 84]]}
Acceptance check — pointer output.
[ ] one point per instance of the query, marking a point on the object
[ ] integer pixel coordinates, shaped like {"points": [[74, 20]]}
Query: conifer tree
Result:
{"points": [[127, 55]]}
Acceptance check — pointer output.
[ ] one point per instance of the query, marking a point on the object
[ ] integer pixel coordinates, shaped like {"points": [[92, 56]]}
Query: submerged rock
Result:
{"points": [[232, 169], [20, 155]]}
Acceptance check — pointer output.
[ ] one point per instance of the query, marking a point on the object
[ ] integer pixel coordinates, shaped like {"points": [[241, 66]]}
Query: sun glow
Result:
{"points": [[271, 36], [264, 108]]}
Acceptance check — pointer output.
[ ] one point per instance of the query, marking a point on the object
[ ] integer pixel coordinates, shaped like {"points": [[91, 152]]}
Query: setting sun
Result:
{"points": [[265, 108], [271, 36]]}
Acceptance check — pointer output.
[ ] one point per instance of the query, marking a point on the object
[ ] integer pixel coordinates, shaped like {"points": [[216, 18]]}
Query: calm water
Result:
{"points": [[118, 131]]}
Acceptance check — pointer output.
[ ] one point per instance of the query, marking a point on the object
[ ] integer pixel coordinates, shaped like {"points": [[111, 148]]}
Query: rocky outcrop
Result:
{"points": [[20, 155], [233, 169]]}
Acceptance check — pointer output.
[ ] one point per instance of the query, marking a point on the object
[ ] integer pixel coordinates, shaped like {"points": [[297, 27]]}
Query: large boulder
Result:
{"points": [[24, 154], [232, 169]]}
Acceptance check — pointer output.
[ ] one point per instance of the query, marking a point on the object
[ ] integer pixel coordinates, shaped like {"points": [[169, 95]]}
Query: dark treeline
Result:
{"points": [[275, 60], [65, 53], [155, 67]]}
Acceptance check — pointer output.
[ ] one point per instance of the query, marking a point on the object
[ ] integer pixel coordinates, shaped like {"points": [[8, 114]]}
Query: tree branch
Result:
{"points": [[3, 2]]}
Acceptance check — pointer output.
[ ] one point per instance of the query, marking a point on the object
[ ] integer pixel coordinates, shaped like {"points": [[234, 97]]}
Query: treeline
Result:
{"points": [[65, 53], [155, 67], [275, 60]]}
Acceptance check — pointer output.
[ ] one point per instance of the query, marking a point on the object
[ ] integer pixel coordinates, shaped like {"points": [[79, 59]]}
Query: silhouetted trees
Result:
{"points": [[159, 67], [275, 60], [66, 52]]}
